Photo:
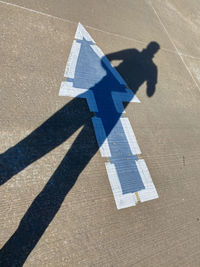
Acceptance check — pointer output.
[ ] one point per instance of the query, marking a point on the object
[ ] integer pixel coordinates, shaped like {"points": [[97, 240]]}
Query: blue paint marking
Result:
{"points": [[92, 73]]}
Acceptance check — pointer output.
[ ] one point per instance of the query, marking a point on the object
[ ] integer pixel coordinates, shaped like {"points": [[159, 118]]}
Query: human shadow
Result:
{"points": [[138, 67], [48, 136]]}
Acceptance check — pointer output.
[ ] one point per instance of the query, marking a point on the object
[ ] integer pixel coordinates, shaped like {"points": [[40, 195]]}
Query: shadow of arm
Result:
{"points": [[152, 81]]}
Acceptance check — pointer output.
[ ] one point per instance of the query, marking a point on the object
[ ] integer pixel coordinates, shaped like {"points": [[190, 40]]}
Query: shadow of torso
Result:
{"points": [[136, 68]]}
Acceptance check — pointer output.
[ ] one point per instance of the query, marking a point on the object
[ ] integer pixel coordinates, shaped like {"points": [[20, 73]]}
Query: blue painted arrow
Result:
{"points": [[90, 75]]}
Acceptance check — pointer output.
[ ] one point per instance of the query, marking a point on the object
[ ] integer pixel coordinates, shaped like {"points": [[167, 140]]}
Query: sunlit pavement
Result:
{"points": [[46, 221]]}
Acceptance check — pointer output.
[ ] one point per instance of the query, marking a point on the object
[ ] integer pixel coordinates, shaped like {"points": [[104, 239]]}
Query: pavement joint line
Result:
{"points": [[93, 28], [185, 55], [137, 196], [171, 40]]}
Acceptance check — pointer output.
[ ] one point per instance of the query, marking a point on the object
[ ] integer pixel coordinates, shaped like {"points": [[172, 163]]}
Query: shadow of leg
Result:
{"points": [[47, 203], [53, 132]]}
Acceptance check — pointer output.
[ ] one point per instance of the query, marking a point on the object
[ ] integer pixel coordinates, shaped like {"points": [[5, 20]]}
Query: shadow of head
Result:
{"points": [[151, 49]]}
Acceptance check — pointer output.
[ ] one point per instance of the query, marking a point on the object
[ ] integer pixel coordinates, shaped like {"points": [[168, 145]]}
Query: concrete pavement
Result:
{"points": [[76, 223]]}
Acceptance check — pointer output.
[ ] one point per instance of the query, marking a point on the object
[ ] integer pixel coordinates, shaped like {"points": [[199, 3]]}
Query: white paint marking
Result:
{"points": [[67, 89], [119, 98], [130, 136], [101, 137], [72, 60], [149, 192], [130, 95], [122, 201], [81, 32]]}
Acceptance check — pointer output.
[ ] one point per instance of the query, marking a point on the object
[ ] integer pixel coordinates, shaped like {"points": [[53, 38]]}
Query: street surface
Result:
{"points": [[56, 203]]}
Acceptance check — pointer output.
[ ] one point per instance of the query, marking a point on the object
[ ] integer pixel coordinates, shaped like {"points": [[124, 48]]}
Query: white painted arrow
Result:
{"points": [[90, 75]]}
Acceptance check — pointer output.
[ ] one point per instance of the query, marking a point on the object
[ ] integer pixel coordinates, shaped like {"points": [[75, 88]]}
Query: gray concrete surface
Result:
{"points": [[87, 229]]}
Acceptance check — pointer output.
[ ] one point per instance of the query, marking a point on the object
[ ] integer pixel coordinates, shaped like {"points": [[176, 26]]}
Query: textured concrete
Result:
{"points": [[68, 217]]}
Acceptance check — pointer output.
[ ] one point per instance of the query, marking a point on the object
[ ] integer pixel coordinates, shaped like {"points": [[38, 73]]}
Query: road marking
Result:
{"points": [[101, 137], [72, 60], [122, 200], [149, 192], [90, 75], [119, 98], [67, 89], [130, 136]]}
